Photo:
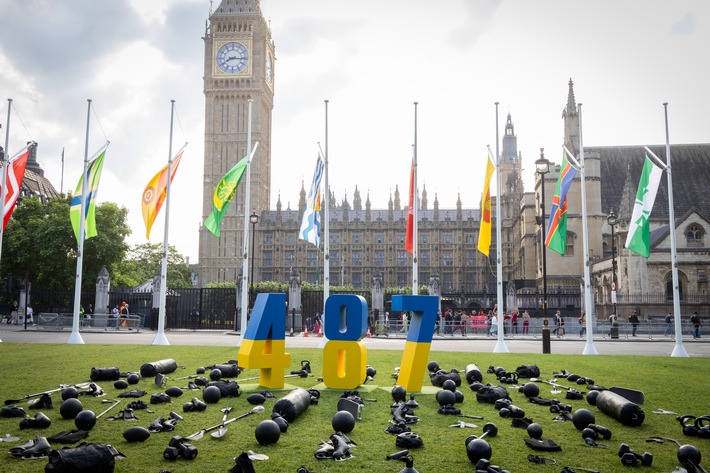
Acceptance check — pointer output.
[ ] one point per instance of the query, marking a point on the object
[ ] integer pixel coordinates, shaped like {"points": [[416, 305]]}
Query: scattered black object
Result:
{"points": [[449, 385], [125, 414], [484, 466], [173, 391], [68, 436], [70, 408], [200, 370], [601, 430], [303, 469], [133, 378], [293, 404], [592, 397], [535, 430], [85, 458], [459, 396], [531, 390], [243, 464], [398, 428], [149, 370], [267, 432], [541, 460], [404, 456], [544, 445], [695, 426], [528, 371], [85, 420], [631, 458], [160, 398], [582, 418], [399, 393], [370, 372], [283, 423], [120, 384], [476, 447], [136, 434], [432, 367], [438, 378], [574, 395], [133, 393], [70, 392], [448, 409], [93, 389], [521, 423], [473, 373], [38, 448], [226, 370], [689, 453], [633, 395], [268, 394], [226, 388], [105, 374], [620, 408], [351, 406], [178, 448], [338, 447], [200, 433], [40, 421], [13, 411], [343, 421], [489, 394], [412, 403], [256, 399], [195, 405], [161, 424], [445, 397], [30, 396], [42, 402], [215, 374], [402, 413], [211, 394]]}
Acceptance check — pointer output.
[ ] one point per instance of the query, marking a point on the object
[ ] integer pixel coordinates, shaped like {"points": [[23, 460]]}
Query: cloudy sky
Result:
{"points": [[372, 60]]}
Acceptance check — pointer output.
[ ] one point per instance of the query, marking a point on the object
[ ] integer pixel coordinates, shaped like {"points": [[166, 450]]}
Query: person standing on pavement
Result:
{"points": [[634, 321], [695, 320], [582, 320]]}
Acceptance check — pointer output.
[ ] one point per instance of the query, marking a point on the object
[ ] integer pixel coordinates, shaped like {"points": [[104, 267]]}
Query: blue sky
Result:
{"points": [[371, 60]]}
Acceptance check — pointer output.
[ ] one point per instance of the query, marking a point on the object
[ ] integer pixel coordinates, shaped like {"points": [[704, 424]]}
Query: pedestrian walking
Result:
{"points": [[695, 320]]}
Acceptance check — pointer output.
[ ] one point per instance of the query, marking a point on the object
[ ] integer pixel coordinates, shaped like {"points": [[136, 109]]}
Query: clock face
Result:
{"points": [[232, 57], [269, 68]]}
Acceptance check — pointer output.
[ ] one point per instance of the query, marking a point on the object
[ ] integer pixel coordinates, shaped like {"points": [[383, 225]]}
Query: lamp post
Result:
{"points": [[253, 219], [542, 167], [612, 220]]}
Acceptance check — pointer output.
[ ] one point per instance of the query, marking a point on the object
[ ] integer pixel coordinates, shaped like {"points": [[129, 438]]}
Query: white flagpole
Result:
{"points": [[245, 245], [326, 237], [589, 348], [5, 164], [500, 344], [75, 336], [160, 338], [415, 232], [679, 349]]}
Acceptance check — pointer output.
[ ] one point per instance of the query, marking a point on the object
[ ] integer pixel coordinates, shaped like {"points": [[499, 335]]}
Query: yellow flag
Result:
{"points": [[484, 237]]}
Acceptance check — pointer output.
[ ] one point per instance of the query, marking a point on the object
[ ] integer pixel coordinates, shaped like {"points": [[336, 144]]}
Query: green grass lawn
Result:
{"points": [[676, 384]]}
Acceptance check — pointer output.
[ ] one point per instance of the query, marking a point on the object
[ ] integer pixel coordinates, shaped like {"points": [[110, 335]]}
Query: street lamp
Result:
{"points": [[542, 167], [612, 220], [253, 219]]}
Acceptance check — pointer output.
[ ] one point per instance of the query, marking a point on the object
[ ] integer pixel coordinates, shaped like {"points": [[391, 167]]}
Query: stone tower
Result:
{"points": [[239, 65], [511, 195]]}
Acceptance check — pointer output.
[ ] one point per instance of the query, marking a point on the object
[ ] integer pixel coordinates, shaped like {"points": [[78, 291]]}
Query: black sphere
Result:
{"points": [[85, 420], [200, 370], [689, 453], [70, 408], [216, 374], [433, 366], [504, 412], [120, 384], [592, 397], [70, 393], [343, 421], [477, 449], [211, 394], [531, 389], [582, 418], [267, 432], [370, 371], [459, 397], [132, 378], [399, 393], [535, 430], [445, 397], [449, 385]]}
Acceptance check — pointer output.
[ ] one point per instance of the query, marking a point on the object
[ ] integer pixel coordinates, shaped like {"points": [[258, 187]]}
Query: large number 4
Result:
{"points": [[264, 342], [418, 344]]}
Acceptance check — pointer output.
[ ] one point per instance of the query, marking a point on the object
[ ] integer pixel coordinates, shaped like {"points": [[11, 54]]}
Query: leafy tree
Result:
{"points": [[144, 261], [39, 244]]}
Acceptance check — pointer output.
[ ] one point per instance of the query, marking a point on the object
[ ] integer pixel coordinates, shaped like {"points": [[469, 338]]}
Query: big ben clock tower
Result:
{"points": [[239, 65]]}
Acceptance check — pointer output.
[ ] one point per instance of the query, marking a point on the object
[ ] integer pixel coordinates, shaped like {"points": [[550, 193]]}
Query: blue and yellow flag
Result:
{"points": [[310, 225], [93, 176]]}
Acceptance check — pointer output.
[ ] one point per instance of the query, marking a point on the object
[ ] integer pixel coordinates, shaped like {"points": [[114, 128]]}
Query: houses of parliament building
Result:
{"points": [[367, 239]]}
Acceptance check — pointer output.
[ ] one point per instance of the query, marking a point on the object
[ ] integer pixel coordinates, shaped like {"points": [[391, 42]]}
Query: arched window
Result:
{"points": [[569, 249], [694, 235]]}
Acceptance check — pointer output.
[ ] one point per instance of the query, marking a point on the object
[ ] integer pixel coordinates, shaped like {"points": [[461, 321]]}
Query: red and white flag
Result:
{"points": [[13, 183]]}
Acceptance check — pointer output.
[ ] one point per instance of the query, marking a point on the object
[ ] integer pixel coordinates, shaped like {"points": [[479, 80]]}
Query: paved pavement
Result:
{"points": [[658, 346]]}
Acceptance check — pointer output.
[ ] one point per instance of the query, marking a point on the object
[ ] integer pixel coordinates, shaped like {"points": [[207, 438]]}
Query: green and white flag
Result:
{"points": [[639, 237]]}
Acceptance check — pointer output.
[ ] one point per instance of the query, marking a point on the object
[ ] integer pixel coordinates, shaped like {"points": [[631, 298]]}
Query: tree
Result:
{"points": [[144, 261], [39, 244]]}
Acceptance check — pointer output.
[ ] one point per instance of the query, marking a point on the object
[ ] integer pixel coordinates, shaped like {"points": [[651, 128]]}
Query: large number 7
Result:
{"points": [[418, 344]]}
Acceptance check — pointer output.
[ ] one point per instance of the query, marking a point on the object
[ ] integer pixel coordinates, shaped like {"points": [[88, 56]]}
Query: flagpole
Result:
{"points": [[75, 336], [679, 349], [326, 224], [5, 164], [160, 338], [415, 237], [245, 245], [500, 344], [589, 348]]}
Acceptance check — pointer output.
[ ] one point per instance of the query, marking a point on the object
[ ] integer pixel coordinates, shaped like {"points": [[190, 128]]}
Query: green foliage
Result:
{"points": [[677, 384], [225, 284], [39, 244], [271, 286], [144, 261]]}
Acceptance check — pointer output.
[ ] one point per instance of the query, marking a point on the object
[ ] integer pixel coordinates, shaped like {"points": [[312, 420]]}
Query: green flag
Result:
{"points": [[223, 194], [639, 237], [93, 176]]}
